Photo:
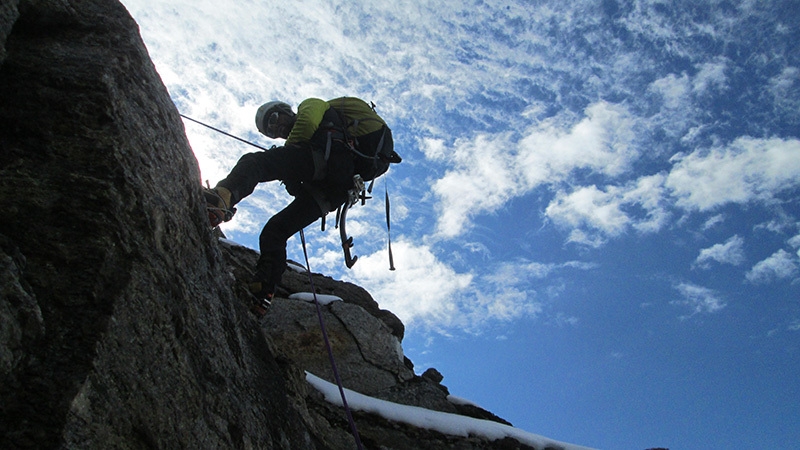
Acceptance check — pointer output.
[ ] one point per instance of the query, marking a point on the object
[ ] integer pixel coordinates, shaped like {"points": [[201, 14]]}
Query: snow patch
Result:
{"points": [[451, 424], [295, 267], [309, 297], [461, 401]]}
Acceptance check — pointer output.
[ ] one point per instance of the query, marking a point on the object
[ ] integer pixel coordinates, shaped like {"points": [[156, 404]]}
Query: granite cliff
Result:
{"points": [[123, 318]]}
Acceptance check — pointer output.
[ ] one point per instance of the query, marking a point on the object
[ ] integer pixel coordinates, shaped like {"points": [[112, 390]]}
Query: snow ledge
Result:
{"points": [[452, 424]]}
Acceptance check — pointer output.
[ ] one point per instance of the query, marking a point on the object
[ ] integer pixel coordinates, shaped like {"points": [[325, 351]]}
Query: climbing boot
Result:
{"points": [[218, 202], [262, 301]]}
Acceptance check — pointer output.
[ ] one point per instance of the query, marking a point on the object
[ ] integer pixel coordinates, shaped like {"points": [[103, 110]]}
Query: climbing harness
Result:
{"points": [[336, 376]]}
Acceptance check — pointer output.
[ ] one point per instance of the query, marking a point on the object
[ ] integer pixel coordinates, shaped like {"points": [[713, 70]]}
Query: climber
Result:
{"points": [[327, 143]]}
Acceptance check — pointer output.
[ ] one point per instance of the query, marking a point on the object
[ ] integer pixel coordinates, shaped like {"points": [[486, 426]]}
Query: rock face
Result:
{"points": [[123, 319], [119, 329]]}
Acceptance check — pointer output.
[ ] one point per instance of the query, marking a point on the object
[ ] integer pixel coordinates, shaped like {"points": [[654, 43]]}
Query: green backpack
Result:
{"points": [[363, 131]]}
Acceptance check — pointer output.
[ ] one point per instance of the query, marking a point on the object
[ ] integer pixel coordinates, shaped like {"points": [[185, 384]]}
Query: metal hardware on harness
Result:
{"points": [[358, 192]]}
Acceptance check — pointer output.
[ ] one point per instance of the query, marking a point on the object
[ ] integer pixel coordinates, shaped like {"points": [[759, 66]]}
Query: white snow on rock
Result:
{"points": [[309, 297], [451, 424], [461, 401], [295, 267]]}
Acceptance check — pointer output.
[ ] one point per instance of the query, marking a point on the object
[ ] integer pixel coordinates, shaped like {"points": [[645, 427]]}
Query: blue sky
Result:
{"points": [[596, 225]]}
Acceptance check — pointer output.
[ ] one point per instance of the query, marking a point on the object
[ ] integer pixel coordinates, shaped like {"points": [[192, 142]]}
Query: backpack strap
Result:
{"points": [[320, 163], [330, 129]]}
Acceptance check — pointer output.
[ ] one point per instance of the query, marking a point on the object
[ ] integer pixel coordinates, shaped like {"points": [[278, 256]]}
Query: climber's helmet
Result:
{"points": [[275, 119]]}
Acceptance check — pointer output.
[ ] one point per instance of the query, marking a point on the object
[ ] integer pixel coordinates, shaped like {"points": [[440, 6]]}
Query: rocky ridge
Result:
{"points": [[123, 319]]}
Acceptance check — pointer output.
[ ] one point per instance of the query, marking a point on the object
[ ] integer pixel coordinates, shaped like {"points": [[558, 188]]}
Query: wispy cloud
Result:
{"points": [[490, 170], [713, 221], [595, 215], [428, 293], [745, 171], [699, 299], [749, 170], [425, 289], [730, 252], [780, 265], [711, 77]]}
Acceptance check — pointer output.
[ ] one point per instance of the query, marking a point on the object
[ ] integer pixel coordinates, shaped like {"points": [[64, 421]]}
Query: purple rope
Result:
{"points": [[328, 347]]}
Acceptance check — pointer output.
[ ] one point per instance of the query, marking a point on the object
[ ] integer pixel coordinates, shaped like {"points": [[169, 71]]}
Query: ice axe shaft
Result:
{"points": [[347, 241]]}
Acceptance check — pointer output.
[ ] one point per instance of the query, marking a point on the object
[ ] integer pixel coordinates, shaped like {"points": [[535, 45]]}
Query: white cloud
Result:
{"points": [[595, 215], [588, 207], [433, 149], [781, 223], [482, 181], [782, 83], [678, 92], [748, 170], [710, 76], [647, 193], [674, 90], [731, 252], [699, 299], [602, 142], [682, 114], [426, 292], [505, 292], [490, 170], [561, 320], [778, 266], [784, 89], [221, 74], [713, 221], [422, 289], [502, 303]]}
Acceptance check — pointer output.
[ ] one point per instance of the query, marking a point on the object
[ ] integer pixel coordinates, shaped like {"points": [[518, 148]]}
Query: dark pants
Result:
{"points": [[292, 165]]}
